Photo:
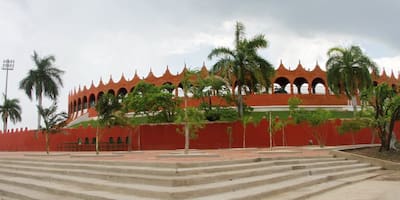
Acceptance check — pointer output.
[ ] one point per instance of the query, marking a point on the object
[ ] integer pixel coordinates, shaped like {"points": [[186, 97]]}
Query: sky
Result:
{"points": [[95, 39]]}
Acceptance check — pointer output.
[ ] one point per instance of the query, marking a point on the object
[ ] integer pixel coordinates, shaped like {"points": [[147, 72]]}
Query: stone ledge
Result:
{"points": [[374, 161], [189, 155], [95, 155], [45, 155]]}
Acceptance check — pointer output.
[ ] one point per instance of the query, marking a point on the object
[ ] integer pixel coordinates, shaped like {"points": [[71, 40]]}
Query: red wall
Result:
{"points": [[165, 136]]}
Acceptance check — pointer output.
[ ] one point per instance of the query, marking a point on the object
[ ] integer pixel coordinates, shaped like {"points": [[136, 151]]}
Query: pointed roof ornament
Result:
{"points": [[122, 77], [101, 81], [167, 72], [150, 75], [392, 75], [280, 64], [111, 79], [204, 64], [135, 76], [384, 72]]}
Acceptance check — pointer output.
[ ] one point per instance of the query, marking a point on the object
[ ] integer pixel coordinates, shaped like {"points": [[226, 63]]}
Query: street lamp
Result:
{"points": [[8, 64]]}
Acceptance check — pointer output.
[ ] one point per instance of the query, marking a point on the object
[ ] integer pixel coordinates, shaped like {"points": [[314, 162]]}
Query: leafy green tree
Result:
{"points": [[294, 103], [45, 80], [209, 86], [106, 108], [352, 126], [280, 125], [349, 69], [313, 118], [53, 122], [243, 64], [192, 120], [190, 117], [386, 106], [156, 103], [10, 110]]}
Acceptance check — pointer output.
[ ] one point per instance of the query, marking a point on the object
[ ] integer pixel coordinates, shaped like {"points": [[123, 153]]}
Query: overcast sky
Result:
{"points": [[101, 38]]}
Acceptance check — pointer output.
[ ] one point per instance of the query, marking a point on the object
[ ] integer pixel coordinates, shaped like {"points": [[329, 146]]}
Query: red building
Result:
{"points": [[309, 85]]}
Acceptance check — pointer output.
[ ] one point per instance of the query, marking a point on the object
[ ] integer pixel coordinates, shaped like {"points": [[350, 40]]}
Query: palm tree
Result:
{"points": [[10, 109], [53, 122], [243, 64], [349, 69], [44, 80]]}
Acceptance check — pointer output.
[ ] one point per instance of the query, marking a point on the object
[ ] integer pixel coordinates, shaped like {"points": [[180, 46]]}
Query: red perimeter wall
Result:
{"points": [[165, 136]]}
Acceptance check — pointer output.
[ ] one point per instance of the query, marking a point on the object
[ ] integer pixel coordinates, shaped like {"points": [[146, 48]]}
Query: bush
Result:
{"points": [[213, 115], [228, 114]]}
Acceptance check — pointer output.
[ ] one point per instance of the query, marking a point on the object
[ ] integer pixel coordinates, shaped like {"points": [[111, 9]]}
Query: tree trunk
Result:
{"points": [[40, 105], [270, 131], [187, 138], [240, 102], [383, 142], [283, 136], [186, 127], [97, 141], [354, 102], [139, 140], [130, 140], [244, 135], [5, 119], [46, 134]]}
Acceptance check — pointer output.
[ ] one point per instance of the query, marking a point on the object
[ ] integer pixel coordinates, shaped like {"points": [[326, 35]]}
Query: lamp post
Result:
{"points": [[8, 64]]}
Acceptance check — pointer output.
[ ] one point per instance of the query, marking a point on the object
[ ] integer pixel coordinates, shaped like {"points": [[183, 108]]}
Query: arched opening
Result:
{"points": [[133, 88], [74, 108], [79, 104], [280, 85], [122, 92], [111, 91], [119, 140], [302, 85], [85, 102], [375, 83], [92, 101], [99, 95], [245, 89], [181, 92], [318, 86], [168, 87]]}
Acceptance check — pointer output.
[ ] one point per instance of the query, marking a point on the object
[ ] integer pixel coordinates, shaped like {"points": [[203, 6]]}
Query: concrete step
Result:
{"points": [[22, 193], [307, 192], [174, 181], [65, 191], [165, 171], [269, 190], [163, 192], [161, 171]]}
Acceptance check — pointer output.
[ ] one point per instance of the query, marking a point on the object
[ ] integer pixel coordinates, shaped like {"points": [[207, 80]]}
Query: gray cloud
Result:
{"points": [[99, 38]]}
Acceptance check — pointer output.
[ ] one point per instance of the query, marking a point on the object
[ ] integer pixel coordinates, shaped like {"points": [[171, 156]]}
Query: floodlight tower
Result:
{"points": [[8, 64]]}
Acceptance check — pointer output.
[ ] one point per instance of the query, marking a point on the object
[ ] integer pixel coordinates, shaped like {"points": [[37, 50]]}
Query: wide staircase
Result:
{"points": [[261, 178]]}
